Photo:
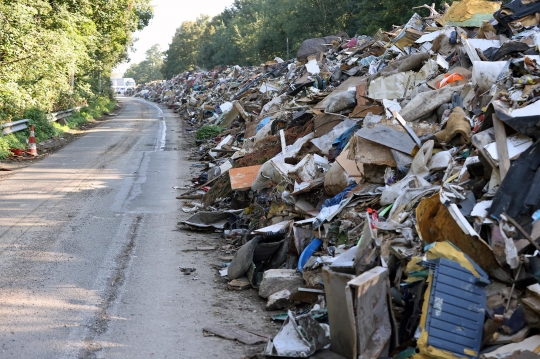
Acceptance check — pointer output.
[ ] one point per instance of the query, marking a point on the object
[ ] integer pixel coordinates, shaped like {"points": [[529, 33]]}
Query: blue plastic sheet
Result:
{"points": [[308, 252], [338, 197], [340, 142], [263, 123], [366, 61]]}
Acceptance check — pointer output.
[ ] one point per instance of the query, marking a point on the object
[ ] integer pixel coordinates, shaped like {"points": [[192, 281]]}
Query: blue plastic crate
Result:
{"points": [[457, 307]]}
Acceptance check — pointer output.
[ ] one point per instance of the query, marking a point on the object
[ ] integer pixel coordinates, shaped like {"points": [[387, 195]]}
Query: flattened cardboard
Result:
{"points": [[353, 168], [242, 178], [365, 151]]}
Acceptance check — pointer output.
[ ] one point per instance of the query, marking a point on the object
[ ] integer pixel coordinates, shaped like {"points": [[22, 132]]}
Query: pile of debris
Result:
{"points": [[387, 186]]}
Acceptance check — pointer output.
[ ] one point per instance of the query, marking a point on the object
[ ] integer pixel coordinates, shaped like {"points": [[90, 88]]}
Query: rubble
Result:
{"points": [[279, 300], [277, 280], [391, 181]]}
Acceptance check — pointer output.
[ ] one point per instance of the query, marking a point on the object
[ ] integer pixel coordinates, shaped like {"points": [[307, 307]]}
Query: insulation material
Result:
{"points": [[312, 67], [392, 87], [242, 178]]}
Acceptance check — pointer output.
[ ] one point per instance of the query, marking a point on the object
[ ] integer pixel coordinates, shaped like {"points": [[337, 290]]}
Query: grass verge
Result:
{"points": [[45, 129]]}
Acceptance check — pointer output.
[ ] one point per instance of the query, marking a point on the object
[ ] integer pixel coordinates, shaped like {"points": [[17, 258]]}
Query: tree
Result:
{"points": [[53, 53], [254, 31], [370, 16], [149, 69], [183, 51]]}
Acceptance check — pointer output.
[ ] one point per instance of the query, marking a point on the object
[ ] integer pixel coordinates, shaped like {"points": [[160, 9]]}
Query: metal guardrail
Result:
{"points": [[20, 125], [16, 126], [55, 116]]}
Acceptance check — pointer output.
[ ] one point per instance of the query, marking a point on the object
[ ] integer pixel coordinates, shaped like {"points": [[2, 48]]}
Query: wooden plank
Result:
{"points": [[283, 144], [354, 169], [200, 249], [362, 111], [361, 94], [352, 81], [241, 111], [201, 186], [233, 333], [365, 151], [325, 123], [502, 147], [243, 177], [518, 226], [471, 51], [222, 150], [409, 130], [388, 137]]}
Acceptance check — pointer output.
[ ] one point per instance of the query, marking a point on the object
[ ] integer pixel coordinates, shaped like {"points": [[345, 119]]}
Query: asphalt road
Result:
{"points": [[90, 253]]}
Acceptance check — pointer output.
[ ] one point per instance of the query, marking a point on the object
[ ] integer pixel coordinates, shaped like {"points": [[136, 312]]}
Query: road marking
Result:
{"points": [[162, 131], [160, 146]]}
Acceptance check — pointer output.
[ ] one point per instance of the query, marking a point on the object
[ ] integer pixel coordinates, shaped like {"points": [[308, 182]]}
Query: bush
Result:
{"points": [[14, 140], [208, 131], [45, 129]]}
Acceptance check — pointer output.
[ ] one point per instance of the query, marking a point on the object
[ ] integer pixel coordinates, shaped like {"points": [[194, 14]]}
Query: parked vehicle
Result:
{"points": [[121, 85]]}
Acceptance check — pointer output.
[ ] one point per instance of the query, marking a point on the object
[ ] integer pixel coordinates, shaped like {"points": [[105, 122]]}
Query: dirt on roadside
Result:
{"points": [[243, 309]]}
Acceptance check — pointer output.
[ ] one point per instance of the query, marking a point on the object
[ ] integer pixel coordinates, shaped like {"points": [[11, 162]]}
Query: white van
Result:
{"points": [[120, 85]]}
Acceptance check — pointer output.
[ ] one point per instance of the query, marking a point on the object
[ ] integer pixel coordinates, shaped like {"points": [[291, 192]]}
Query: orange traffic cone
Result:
{"points": [[32, 149]]}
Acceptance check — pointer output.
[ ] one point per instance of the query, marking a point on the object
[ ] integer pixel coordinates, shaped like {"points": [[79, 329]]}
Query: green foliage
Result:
{"points": [[14, 140], [53, 53], [184, 50], [254, 31], [251, 32], [38, 118], [371, 16], [149, 69], [44, 129], [208, 131], [56, 55]]}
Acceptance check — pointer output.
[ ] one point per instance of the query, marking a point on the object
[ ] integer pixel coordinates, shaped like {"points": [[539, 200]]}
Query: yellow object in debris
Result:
{"points": [[469, 13], [413, 265], [449, 251], [457, 129]]}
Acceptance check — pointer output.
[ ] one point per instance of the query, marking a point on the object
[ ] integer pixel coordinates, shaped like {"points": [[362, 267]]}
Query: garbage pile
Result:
{"points": [[384, 192]]}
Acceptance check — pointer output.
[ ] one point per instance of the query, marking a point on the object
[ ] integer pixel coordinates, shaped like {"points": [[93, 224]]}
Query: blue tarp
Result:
{"points": [[340, 142], [338, 197], [263, 123]]}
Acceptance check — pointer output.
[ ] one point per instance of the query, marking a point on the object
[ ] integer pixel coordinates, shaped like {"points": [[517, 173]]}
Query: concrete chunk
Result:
{"points": [[275, 280], [279, 300]]}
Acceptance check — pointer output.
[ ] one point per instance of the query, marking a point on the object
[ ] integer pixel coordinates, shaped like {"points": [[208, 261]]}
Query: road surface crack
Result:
{"points": [[99, 324]]}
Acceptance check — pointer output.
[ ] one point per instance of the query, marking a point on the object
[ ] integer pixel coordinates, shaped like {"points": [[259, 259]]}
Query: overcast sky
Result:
{"points": [[168, 15]]}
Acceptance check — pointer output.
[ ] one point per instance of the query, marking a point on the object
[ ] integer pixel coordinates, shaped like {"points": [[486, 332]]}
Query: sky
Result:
{"points": [[168, 15]]}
